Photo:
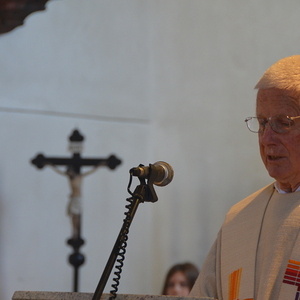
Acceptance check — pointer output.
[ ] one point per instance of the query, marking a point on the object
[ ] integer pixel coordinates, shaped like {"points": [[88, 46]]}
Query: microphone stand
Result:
{"points": [[143, 192]]}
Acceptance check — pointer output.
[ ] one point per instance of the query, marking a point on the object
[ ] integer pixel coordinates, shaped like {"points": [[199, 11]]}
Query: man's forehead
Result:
{"points": [[277, 101], [274, 94]]}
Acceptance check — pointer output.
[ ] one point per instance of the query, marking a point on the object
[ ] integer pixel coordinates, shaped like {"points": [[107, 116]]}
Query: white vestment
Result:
{"points": [[257, 252]]}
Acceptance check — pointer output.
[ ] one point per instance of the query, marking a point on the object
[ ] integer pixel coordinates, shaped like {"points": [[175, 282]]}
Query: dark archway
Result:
{"points": [[14, 12]]}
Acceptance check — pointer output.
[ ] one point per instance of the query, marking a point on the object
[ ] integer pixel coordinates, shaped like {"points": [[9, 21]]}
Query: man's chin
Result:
{"points": [[277, 174]]}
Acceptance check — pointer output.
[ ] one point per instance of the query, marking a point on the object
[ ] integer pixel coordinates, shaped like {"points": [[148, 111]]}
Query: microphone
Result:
{"points": [[161, 172]]}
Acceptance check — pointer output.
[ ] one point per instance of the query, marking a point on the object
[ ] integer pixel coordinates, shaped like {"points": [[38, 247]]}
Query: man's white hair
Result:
{"points": [[284, 74]]}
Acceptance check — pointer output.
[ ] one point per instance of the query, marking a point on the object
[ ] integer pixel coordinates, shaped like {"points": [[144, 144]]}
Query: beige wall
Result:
{"points": [[146, 80]]}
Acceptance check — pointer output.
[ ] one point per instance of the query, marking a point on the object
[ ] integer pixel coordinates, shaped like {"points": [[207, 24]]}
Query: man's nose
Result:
{"points": [[268, 134]]}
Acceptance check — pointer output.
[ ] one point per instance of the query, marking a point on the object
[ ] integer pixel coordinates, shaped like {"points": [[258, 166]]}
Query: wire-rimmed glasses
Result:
{"points": [[278, 124]]}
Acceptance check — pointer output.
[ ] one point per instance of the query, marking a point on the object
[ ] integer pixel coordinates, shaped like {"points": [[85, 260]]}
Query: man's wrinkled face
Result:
{"points": [[280, 152]]}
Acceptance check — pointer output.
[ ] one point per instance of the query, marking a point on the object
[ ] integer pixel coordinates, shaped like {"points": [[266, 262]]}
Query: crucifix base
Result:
{"points": [[76, 259]]}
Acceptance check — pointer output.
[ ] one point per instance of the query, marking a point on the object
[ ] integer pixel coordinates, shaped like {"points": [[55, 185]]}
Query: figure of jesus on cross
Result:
{"points": [[74, 207]]}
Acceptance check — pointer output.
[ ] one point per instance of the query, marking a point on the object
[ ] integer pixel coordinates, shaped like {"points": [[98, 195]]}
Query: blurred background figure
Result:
{"points": [[180, 279]]}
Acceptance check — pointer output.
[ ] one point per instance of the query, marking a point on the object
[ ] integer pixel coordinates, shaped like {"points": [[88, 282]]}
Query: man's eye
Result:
{"points": [[283, 122], [262, 122]]}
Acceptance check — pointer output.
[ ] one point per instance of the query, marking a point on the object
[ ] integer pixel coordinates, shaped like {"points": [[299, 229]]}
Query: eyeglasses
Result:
{"points": [[278, 124]]}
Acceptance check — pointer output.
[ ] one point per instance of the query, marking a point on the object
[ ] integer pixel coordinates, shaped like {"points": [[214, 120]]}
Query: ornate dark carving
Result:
{"points": [[13, 12]]}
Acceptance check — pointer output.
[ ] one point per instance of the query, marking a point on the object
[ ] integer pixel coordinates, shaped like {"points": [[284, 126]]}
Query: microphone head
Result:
{"points": [[167, 171]]}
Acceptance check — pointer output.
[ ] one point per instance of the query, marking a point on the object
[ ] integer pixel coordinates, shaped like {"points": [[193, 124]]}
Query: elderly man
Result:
{"points": [[257, 252]]}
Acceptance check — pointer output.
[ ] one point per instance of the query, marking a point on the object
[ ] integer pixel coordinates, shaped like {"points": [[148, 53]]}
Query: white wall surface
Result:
{"points": [[145, 80]]}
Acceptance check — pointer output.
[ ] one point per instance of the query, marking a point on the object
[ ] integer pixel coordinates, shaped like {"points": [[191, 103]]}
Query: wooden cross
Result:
{"points": [[73, 172]]}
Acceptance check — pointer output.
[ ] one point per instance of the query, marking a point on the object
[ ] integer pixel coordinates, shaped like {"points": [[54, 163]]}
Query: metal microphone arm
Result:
{"points": [[137, 198], [143, 192]]}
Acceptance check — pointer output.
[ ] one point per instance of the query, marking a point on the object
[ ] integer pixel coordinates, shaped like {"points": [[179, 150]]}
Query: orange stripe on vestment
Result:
{"points": [[234, 281]]}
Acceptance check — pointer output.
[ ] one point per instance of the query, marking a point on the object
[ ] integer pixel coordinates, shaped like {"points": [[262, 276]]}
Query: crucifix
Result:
{"points": [[73, 173]]}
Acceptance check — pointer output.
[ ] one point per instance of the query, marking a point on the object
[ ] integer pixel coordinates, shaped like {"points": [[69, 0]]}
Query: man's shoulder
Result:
{"points": [[252, 201]]}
